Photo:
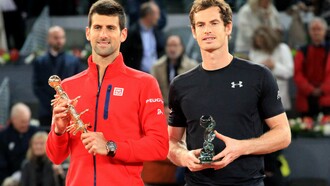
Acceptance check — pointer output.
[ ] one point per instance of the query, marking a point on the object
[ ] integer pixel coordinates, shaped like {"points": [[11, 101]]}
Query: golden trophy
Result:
{"points": [[77, 124]]}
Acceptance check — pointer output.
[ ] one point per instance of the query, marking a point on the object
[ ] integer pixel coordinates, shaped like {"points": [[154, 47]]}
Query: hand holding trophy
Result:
{"points": [[207, 152], [77, 124]]}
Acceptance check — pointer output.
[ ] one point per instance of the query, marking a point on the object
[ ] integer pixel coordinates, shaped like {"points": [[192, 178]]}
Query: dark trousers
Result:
{"points": [[314, 108], [15, 29]]}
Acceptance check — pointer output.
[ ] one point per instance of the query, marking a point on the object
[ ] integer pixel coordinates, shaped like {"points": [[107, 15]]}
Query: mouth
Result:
{"points": [[103, 43], [208, 38]]}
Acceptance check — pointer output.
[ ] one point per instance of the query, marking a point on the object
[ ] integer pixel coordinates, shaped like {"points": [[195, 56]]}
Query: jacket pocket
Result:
{"points": [[107, 102]]}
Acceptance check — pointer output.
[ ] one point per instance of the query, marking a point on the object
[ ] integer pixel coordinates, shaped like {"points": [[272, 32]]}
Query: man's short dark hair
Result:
{"points": [[199, 5], [108, 8]]}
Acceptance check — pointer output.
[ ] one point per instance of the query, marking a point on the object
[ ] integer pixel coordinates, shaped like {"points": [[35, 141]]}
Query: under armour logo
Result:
{"points": [[239, 84]]}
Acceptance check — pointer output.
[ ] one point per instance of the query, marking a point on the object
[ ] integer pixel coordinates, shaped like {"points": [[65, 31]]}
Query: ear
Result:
{"points": [[123, 35], [229, 28], [193, 31], [87, 33]]}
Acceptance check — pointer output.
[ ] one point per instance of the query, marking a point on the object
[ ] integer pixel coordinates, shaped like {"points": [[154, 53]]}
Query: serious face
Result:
{"points": [[209, 31], [317, 32], [38, 146], [21, 121], [264, 3], [56, 39], [105, 35], [174, 47]]}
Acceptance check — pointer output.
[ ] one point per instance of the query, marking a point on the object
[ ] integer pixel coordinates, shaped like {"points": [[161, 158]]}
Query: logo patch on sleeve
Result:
{"points": [[278, 95], [159, 112]]}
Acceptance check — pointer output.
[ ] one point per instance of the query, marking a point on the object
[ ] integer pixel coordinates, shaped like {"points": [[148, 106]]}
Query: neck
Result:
{"points": [[145, 23], [173, 61], [317, 43], [54, 52], [216, 59], [103, 62]]}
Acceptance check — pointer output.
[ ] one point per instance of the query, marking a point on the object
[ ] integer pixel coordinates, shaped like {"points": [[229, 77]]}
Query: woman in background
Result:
{"points": [[38, 170], [267, 49], [253, 14]]}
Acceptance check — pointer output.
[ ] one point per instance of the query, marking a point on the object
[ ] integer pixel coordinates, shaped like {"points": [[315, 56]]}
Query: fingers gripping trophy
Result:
{"points": [[76, 123]]}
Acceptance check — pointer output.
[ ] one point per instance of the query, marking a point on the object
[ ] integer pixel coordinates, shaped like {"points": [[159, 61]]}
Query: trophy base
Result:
{"points": [[205, 160]]}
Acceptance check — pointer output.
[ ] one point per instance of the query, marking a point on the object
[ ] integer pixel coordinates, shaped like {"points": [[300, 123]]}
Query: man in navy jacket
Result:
{"points": [[54, 62]]}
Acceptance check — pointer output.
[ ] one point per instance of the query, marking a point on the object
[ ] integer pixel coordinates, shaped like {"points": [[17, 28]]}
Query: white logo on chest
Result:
{"points": [[118, 91], [239, 84]]}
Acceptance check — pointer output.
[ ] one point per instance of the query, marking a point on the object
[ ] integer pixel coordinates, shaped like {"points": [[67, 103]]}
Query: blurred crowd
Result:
{"points": [[297, 56]]}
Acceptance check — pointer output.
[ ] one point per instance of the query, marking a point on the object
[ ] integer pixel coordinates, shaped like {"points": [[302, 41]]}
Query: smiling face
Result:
{"points": [[209, 30], [105, 36]]}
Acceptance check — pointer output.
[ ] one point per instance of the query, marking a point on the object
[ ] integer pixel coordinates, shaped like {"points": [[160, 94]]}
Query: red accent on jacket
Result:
{"points": [[310, 73], [128, 112]]}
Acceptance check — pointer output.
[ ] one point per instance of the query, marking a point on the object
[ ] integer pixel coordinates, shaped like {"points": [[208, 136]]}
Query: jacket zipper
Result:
{"points": [[107, 102], [96, 109]]}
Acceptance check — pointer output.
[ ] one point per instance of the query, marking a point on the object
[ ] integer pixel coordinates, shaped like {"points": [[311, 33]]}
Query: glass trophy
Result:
{"points": [[207, 152]]}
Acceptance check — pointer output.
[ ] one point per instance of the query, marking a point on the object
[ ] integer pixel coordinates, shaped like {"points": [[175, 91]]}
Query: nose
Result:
{"points": [[207, 29], [103, 33]]}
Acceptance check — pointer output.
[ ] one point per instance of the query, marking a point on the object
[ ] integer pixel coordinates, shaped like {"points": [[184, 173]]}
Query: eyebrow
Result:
{"points": [[213, 20], [104, 25]]}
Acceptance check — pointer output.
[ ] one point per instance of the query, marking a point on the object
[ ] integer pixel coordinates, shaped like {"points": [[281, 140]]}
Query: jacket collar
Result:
{"points": [[115, 68]]}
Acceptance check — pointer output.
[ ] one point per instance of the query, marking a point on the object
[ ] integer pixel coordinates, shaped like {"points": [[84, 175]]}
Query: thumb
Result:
{"points": [[197, 152], [220, 136]]}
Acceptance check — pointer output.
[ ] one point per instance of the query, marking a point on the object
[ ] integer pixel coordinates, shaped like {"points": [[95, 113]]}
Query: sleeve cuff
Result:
{"points": [[123, 152], [59, 140]]}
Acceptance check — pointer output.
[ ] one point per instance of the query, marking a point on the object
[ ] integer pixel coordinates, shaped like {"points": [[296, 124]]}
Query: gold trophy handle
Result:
{"points": [[78, 125]]}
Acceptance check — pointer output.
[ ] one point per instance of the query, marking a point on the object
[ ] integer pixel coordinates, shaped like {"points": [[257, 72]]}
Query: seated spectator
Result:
{"points": [[37, 169], [268, 50], [55, 62], [312, 72], [14, 141], [253, 14]]}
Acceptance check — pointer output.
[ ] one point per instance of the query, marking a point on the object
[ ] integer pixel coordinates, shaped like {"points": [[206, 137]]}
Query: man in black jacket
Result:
{"points": [[14, 140], [145, 42]]}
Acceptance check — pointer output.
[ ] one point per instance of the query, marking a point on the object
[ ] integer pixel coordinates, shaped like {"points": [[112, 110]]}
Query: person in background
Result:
{"points": [[37, 169], [55, 62], [145, 42], [267, 49], [173, 63], [250, 16], [127, 124], [132, 10], [215, 88], [14, 142], [312, 72], [14, 15]]}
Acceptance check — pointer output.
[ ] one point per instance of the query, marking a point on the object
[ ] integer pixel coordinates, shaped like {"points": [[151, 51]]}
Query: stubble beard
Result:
{"points": [[104, 52]]}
